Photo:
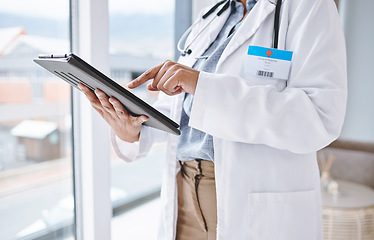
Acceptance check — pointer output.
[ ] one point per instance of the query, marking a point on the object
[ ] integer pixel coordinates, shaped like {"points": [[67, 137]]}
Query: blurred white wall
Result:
{"points": [[358, 23]]}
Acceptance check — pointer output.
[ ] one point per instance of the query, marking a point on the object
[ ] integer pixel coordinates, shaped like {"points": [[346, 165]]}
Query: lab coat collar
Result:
{"points": [[248, 28], [274, 1]]}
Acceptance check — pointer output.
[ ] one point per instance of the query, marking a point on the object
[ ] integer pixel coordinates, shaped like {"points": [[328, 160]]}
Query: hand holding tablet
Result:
{"points": [[118, 102]]}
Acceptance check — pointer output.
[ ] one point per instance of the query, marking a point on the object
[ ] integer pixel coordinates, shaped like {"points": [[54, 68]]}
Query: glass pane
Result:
{"points": [[36, 187], [141, 36]]}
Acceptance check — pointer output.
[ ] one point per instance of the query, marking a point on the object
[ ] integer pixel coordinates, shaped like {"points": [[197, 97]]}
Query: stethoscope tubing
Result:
{"points": [[183, 38], [187, 32], [186, 49], [276, 23]]}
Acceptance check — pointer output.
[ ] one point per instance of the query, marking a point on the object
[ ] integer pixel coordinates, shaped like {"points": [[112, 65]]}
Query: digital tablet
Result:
{"points": [[74, 70]]}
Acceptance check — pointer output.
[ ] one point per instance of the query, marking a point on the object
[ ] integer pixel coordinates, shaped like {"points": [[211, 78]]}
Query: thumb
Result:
{"points": [[142, 119]]}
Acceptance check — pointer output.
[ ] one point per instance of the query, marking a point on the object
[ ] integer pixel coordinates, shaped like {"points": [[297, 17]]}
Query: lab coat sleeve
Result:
{"points": [[307, 115], [148, 135]]}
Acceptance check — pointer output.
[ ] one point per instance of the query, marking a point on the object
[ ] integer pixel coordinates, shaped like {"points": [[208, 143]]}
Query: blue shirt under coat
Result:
{"points": [[194, 144]]}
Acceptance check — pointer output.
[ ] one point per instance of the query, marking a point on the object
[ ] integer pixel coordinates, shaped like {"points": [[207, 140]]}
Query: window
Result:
{"points": [[141, 36], [36, 177], [36, 184]]}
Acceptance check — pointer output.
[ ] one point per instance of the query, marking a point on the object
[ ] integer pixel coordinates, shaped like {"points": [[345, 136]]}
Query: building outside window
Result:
{"points": [[36, 183], [36, 164]]}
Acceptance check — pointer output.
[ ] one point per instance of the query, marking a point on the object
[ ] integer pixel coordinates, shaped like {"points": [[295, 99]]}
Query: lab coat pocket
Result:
{"points": [[283, 216]]}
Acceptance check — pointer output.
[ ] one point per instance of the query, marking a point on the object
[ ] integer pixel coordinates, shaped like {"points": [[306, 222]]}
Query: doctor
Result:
{"points": [[254, 135]]}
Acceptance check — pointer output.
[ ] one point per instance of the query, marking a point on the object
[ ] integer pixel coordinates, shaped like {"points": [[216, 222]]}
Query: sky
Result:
{"points": [[59, 9]]}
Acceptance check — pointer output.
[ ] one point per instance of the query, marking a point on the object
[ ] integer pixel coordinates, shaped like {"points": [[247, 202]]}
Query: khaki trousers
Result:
{"points": [[197, 206]]}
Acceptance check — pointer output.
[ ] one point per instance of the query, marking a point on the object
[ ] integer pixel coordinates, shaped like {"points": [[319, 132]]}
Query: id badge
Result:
{"points": [[268, 62]]}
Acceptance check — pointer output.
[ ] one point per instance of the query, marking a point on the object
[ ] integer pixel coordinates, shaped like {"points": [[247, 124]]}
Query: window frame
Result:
{"points": [[93, 208], [89, 38]]}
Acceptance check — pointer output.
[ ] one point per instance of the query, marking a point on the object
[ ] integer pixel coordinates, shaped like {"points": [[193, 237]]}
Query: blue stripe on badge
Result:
{"points": [[270, 53]]}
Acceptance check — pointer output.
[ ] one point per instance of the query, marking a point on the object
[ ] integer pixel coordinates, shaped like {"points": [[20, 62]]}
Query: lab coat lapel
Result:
{"points": [[207, 36], [248, 28]]}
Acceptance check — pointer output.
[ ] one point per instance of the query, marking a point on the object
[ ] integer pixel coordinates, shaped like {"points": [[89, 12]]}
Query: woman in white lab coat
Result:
{"points": [[265, 131]]}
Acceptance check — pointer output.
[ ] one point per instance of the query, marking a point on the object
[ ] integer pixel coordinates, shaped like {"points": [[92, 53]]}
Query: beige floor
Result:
{"points": [[137, 224]]}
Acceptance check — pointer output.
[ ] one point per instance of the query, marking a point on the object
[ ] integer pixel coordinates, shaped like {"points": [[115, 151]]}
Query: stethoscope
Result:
{"points": [[187, 50]]}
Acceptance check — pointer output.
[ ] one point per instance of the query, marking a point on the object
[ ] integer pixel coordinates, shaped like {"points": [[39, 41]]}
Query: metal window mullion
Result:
{"points": [[89, 38]]}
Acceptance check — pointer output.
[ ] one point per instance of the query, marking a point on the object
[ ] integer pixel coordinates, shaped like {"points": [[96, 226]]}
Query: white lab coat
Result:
{"points": [[265, 134]]}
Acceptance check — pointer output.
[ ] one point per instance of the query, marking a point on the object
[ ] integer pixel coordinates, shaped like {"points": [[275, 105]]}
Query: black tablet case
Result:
{"points": [[74, 70]]}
